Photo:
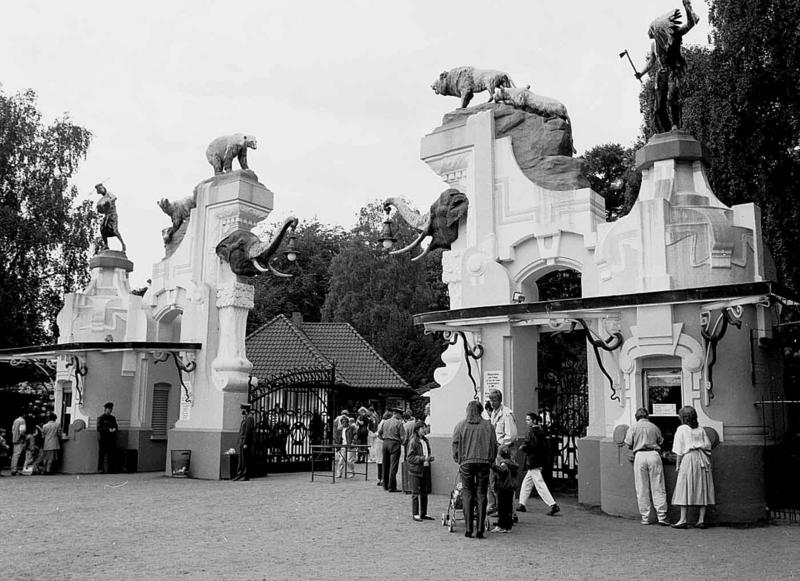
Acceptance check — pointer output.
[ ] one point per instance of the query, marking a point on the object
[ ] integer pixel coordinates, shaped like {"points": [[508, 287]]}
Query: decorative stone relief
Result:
{"points": [[236, 295], [451, 276], [453, 168]]}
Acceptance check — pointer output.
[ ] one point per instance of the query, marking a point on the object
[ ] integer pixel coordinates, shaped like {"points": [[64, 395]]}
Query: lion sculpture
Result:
{"points": [[178, 212], [222, 150], [464, 82], [529, 101]]}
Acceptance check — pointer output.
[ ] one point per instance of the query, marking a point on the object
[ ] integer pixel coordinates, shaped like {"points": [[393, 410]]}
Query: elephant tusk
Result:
{"points": [[410, 246], [421, 254], [277, 272], [259, 268]]}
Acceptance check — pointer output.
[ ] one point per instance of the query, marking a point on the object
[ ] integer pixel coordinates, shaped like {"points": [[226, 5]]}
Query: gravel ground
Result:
{"points": [[148, 526]]}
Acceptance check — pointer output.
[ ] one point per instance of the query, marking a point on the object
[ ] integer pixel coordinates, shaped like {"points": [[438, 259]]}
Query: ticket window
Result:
{"points": [[662, 399]]}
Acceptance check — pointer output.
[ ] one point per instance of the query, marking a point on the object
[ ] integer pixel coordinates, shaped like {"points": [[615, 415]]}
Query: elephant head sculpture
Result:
{"points": [[248, 255], [440, 223]]}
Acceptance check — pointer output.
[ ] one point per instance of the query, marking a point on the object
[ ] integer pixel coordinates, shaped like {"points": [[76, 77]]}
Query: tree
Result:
{"points": [[305, 292], [378, 294], [45, 232], [742, 100], [611, 173]]}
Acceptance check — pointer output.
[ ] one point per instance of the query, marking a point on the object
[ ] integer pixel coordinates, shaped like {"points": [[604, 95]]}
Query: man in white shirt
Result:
{"points": [[645, 439], [505, 429]]}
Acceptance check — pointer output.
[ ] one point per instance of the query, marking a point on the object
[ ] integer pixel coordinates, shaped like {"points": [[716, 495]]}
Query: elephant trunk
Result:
{"points": [[412, 217], [260, 256]]}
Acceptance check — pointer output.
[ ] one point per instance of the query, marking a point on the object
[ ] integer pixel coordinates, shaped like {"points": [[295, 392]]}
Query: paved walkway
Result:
{"points": [[148, 526]]}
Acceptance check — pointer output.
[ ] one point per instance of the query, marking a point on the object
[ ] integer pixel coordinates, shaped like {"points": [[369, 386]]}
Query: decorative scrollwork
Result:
{"points": [[612, 342], [713, 334], [181, 365], [451, 338], [302, 375], [79, 373]]}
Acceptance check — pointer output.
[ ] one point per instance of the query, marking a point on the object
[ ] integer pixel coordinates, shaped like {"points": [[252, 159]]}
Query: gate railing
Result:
{"points": [[292, 412], [566, 399]]}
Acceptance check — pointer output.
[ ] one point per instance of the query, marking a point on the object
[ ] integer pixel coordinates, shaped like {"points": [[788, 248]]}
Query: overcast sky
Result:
{"points": [[337, 93]]}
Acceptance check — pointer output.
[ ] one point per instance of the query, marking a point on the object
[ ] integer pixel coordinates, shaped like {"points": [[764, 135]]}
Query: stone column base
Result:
{"points": [[207, 447]]}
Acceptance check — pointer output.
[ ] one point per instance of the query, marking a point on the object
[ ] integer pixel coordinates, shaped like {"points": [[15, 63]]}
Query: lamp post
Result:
{"points": [[291, 251], [387, 237]]}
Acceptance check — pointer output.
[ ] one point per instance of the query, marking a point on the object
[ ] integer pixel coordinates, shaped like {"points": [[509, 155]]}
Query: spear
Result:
{"points": [[633, 66]]}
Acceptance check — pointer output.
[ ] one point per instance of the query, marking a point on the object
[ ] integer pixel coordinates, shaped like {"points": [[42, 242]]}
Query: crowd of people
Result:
{"points": [[35, 444], [484, 445]]}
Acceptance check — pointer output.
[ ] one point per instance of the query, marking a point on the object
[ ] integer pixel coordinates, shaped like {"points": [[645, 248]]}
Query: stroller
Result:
{"points": [[455, 507]]}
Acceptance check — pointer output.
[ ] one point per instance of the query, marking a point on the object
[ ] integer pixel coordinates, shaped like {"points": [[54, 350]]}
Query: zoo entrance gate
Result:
{"points": [[293, 410]]}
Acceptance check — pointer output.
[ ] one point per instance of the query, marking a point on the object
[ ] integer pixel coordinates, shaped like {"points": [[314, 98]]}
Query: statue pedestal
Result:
{"points": [[195, 297]]}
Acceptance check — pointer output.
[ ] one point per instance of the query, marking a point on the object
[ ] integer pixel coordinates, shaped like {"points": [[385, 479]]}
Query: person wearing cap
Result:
{"points": [[247, 429], [107, 434], [393, 435]]}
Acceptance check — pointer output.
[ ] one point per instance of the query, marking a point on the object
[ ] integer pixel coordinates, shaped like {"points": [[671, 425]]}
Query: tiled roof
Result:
{"points": [[281, 345]]}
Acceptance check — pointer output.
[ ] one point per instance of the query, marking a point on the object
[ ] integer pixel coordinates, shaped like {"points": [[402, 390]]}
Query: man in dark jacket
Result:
{"points": [[247, 429], [107, 431], [536, 455], [393, 435], [474, 448]]}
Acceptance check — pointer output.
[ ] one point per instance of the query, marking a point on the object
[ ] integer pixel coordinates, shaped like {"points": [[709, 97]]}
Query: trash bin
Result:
{"points": [[180, 460], [131, 460], [228, 466]]}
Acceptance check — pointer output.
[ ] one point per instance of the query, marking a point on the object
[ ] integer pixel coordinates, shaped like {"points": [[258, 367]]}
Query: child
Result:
{"points": [[419, 461], [504, 485]]}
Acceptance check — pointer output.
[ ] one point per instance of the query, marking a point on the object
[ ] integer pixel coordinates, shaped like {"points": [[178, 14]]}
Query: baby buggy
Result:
{"points": [[455, 508]]}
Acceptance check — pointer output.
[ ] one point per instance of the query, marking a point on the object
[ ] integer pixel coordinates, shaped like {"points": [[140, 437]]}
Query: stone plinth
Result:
{"points": [[678, 145], [678, 233]]}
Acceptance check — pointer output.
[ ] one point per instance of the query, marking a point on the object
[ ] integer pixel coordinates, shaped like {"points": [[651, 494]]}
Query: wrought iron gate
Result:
{"points": [[292, 412], [566, 399], [781, 420]]}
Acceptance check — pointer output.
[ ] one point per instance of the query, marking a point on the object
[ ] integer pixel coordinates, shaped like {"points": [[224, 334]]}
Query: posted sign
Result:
{"points": [[493, 380]]}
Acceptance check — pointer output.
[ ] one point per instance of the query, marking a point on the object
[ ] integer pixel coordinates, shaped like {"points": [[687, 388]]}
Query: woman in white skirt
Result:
{"points": [[695, 485]]}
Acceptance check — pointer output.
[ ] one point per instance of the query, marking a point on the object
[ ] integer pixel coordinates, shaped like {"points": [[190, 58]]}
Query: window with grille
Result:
{"points": [[159, 420]]}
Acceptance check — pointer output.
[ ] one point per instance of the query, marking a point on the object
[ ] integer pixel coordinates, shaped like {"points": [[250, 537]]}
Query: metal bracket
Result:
{"points": [[182, 367], [81, 370], [451, 338], [611, 343], [713, 334]]}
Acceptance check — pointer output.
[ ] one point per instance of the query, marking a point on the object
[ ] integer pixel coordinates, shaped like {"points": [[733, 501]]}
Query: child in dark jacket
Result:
{"points": [[505, 483]]}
